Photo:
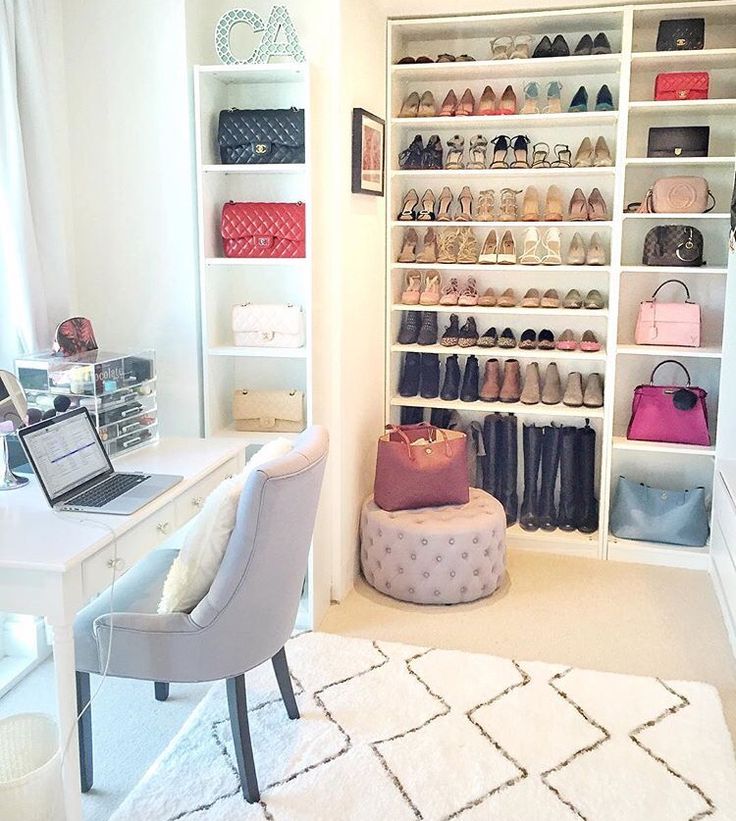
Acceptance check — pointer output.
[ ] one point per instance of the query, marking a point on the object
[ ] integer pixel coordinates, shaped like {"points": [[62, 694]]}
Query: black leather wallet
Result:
{"points": [[679, 141]]}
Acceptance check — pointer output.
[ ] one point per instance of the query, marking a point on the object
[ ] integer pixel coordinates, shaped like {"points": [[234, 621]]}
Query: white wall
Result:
{"points": [[132, 195]]}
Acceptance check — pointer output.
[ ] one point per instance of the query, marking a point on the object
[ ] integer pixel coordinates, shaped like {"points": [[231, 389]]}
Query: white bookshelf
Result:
{"points": [[630, 73]]}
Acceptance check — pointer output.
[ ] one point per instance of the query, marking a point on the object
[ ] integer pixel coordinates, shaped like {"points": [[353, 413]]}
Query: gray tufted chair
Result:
{"points": [[245, 618]]}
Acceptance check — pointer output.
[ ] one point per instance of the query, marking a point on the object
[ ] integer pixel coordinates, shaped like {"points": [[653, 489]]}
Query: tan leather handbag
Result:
{"points": [[277, 411], [678, 195]]}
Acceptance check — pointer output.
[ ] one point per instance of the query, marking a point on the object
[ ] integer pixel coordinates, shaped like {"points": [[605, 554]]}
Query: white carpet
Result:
{"points": [[390, 731]]}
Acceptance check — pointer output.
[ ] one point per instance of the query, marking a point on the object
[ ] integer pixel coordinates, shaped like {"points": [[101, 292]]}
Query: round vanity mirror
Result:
{"points": [[13, 415]]}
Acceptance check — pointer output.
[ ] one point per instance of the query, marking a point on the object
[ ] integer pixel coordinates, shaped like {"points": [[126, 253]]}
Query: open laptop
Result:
{"points": [[75, 472]]}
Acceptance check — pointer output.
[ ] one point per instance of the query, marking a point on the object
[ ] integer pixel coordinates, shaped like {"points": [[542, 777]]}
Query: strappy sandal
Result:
{"points": [[521, 45], [520, 147], [530, 252], [486, 208], [531, 99], [509, 207], [501, 47], [554, 105], [450, 293], [478, 148], [445, 201], [456, 153], [540, 153], [410, 159], [426, 214], [564, 156], [408, 211], [552, 246], [432, 153], [500, 151]]}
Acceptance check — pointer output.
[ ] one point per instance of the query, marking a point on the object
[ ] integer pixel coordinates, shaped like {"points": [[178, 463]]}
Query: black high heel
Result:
{"points": [[501, 146], [520, 147], [432, 153], [410, 159]]}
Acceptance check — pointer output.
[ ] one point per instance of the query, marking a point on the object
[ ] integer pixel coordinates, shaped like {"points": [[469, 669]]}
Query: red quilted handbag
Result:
{"points": [[682, 85], [263, 229]]}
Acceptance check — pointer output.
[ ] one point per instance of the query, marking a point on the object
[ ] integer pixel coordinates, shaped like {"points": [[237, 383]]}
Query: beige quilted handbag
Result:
{"points": [[278, 411], [268, 326]]}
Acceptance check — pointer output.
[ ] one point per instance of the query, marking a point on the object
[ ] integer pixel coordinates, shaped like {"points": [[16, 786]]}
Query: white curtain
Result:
{"points": [[35, 288]]}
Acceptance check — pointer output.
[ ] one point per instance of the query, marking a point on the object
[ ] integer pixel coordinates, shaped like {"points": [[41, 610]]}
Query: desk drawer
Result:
{"points": [[725, 514], [190, 503], [726, 569], [144, 536]]}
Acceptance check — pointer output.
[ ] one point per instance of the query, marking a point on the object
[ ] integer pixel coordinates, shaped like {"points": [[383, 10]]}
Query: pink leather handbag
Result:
{"points": [[668, 323], [669, 413], [426, 473]]}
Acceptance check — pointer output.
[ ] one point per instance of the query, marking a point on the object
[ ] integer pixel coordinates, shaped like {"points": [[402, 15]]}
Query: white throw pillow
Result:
{"points": [[194, 569]]}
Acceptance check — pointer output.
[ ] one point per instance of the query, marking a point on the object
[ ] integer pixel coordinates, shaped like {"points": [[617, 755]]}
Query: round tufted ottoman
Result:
{"points": [[435, 555]]}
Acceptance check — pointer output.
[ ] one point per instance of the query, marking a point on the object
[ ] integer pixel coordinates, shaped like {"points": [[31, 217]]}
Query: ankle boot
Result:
{"points": [[506, 492], [546, 513], [409, 330], [451, 385], [491, 381], [532, 448], [568, 509], [429, 379], [428, 332], [411, 416], [588, 509], [511, 388], [530, 394], [471, 377], [409, 382], [552, 393], [489, 462]]}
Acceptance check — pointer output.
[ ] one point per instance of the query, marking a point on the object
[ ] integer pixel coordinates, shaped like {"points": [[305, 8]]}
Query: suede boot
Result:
{"points": [[451, 385], [552, 393], [471, 378], [491, 381], [428, 332], [429, 380], [409, 382], [569, 480], [410, 325], [490, 462], [506, 475], [411, 416], [546, 513], [531, 393], [588, 510], [573, 397], [511, 388], [532, 448], [593, 396]]}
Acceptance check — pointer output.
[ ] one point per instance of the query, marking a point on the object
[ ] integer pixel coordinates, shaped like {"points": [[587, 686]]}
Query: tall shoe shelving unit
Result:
{"points": [[630, 72], [224, 282]]}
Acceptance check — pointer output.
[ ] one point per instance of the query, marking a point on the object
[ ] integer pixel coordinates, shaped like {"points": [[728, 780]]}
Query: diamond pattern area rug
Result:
{"points": [[400, 733]]}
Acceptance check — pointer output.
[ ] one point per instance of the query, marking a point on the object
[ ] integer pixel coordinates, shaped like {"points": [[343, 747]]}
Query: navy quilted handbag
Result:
{"points": [[261, 136]]}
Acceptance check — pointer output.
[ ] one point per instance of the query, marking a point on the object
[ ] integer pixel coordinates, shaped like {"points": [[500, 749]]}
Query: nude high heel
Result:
{"points": [[410, 294], [485, 212], [449, 105], [576, 252], [426, 213], [596, 207], [509, 210], [456, 153], [408, 211], [487, 103], [530, 252], [478, 147], [445, 200], [501, 48], [553, 205], [427, 105], [467, 104], [428, 254], [489, 252], [507, 250], [410, 106], [467, 252], [578, 207], [551, 244], [530, 205], [508, 101], [521, 45], [584, 156], [466, 205], [430, 294], [601, 154], [409, 247], [596, 254]]}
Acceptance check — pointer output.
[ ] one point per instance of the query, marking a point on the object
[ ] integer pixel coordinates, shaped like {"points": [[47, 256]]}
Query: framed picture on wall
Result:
{"points": [[368, 153]]}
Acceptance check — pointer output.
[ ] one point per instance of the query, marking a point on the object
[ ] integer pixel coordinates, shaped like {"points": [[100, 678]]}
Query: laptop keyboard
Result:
{"points": [[106, 491]]}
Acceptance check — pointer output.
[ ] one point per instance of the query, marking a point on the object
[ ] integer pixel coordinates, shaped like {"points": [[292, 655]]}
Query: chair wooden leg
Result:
{"points": [[161, 689], [84, 730], [281, 668], [238, 709]]}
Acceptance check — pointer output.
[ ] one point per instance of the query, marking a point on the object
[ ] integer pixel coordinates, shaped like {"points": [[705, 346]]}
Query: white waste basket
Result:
{"points": [[30, 769]]}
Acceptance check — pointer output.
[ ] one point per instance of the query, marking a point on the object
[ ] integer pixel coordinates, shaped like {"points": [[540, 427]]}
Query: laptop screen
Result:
{"points": [[66, 452]]}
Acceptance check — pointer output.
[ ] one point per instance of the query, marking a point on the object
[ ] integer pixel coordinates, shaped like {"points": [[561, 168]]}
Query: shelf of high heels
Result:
{"points": [[499, 407], [504, 353], [496, 310], [513, 173], [513, 269]]}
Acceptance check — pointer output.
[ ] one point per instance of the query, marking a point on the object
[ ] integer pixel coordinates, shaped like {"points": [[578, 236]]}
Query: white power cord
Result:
{"points": [[105, 526]]}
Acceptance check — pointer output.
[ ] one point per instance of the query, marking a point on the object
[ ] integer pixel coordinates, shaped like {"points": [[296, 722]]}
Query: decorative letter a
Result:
{"points": [[279, 23]]}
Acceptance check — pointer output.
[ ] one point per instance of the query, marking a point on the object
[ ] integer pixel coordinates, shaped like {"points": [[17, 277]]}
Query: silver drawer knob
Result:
{"points": [[197, 501], [116, 564], [162, 527]]}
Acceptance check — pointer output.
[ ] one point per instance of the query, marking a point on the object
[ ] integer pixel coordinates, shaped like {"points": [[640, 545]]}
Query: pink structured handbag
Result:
{"points": [[421, 466], [668, 323], [669, 413]]}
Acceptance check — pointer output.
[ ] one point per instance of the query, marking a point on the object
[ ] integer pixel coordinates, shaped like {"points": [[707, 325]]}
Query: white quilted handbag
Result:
{"points": [[268, 326], [281, 411]]}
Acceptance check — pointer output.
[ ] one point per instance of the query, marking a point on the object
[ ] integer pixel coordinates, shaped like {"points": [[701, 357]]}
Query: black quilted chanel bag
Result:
{"points": [[681, 35], [674, 245], [261, 135]]}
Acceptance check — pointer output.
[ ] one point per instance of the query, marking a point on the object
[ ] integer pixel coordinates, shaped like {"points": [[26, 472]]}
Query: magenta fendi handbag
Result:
{"points": [[668, 323], [669, 413]]}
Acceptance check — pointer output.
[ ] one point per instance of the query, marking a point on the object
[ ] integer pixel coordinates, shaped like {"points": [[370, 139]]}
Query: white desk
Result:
{"points": [[51, 564]]}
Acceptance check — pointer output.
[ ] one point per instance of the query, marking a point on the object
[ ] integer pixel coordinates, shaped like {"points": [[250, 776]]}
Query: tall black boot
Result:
{"points": [[430, 375], [546, 513], [440, 417], [489, 464], [588, 510], [451, 385], [411, 416], [532, 448], [567, 518], [506, 476], [409, 382], [471, 378]]}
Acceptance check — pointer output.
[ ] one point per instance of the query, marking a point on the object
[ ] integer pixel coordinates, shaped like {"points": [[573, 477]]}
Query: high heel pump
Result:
{"points": [[427, 105], [579, 102], [507, 250], [584, 155], [601, 153], [596, 254], [596, 207], [466, 107], [604, 99], [564, 156], [520, 147], [449, 105], [466, 205], [456, 153], [578, 210], [427, 213], [408, 211], [487, 102], [410, 106], [478, 147], [554, 106], [530, 205], [553, 205], [508, 101], [501, 146], [531, 99], [445, 200]]}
